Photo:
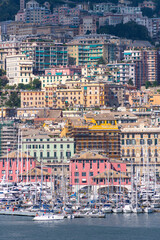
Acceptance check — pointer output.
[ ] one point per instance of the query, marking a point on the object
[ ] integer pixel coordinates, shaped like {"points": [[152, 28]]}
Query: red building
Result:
{"points": [[29, 169], [91, 169], [10, 162]]}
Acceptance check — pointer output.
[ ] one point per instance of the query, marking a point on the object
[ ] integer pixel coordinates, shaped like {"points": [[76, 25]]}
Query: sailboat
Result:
{"points": [[117, 209], [136, 209], [147, 209]]}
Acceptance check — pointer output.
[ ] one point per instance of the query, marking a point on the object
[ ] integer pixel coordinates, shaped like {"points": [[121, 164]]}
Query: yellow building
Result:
{"points": [[88, 50], [154, 99], [32, 99], [140, 144], [101, 134], [86, 95]]}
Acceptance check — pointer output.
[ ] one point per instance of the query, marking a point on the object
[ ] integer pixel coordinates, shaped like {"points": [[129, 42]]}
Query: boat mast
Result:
{"points": [[18, 157], [21, 157]]}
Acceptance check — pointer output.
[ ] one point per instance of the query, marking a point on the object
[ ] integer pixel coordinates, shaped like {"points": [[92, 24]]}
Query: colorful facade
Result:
{"points": [[101, 134], [10, 162], [87, 169]]}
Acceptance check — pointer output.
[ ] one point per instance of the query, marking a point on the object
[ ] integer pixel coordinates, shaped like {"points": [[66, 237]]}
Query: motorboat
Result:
{"points": [[127, 208], [148, 210], [48, 217], [107, 208], [137, 210], [117, 210]]}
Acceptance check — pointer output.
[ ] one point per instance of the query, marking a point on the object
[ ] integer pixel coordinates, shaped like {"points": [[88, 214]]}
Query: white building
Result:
{"points": [[19, 69]]}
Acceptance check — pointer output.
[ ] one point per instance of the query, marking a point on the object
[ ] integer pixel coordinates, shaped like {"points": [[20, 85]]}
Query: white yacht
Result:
{"points": [[127, 208], [48, 217]]}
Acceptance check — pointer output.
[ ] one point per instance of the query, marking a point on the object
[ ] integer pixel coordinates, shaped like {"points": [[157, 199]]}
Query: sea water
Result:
{"points": [[113, 227]]}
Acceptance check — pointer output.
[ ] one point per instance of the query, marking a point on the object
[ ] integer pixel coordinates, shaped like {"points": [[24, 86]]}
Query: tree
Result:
{"points": [[155, 84], [148, 84], [71, 61], [3, 81], [101, 61], [14, 100], [36, 84], [147, 12], [130, 82], [130, 30], [2, 72]]}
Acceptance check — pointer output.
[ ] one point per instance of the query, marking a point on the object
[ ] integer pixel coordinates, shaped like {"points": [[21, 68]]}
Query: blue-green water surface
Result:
{"points": [[113, 227]]}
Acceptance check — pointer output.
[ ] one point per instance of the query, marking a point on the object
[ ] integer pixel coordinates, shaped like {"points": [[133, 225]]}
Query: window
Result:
{"points": [[76, 180], [133, 152], [83, 164], [76, 174], [142, 141], [68, 154], [61, 155], [122, 152], [98, 164], [128, 142], [91, 164], [156, 153], [122, 141], [41, 154], [48, 154], [68, 146], [83, 174], [48, 146], [91, 174], [55, 146], [61, 146], [149, 141], [35, 155], [155, 141], [55, 154]]}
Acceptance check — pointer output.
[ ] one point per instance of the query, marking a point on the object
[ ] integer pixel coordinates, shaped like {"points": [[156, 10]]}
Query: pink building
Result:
{"points": [[8, 165], [29, 168], [50, 19], [94, 169], [68, 71], [20, 16]]}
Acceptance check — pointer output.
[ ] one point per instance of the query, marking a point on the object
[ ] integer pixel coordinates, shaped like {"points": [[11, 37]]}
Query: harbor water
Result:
{"points": [[113, 227]]}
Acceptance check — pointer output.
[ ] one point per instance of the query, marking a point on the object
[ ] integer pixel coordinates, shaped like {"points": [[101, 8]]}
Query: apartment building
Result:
{"points": [[44, 54], [50, 150], [87, 25], [34, 13], [147, 65], [139, 144], [123, 72], [8, 137], [19, 69], [59, 75], [7, 49], [86, 95], [33, 99], [88, 50], [100, 133], [102, 7]]}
